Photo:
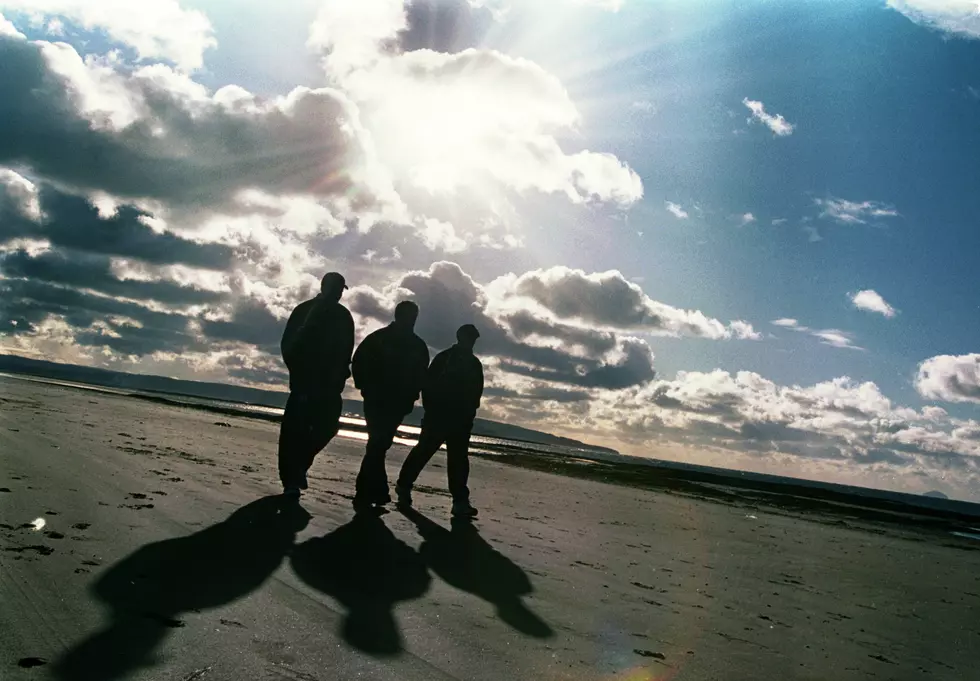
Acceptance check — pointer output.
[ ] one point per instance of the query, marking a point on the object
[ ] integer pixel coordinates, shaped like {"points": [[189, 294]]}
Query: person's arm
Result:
{"points": [[290, 336], [309, 319], [475, 387], [421, 369], [345, 344], [479, 389], [362, 364]]}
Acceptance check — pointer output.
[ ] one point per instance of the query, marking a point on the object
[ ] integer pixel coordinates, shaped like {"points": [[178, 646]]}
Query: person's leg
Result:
{"points": [[324, 414], [458, 465], [429, 443], [291, 440], [372, 480]]}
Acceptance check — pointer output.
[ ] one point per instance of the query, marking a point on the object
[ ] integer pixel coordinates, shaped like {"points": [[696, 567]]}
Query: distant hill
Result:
{"points": [[268, 398], [935, 495]]}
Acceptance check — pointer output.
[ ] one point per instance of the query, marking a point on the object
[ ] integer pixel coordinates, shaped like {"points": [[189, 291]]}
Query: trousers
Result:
{"points": [[308, 424], [435, 433], [382, 425]]}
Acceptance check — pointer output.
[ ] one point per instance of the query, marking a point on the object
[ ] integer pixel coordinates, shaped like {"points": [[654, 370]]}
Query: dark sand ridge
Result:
{"points": [[162, 558]]}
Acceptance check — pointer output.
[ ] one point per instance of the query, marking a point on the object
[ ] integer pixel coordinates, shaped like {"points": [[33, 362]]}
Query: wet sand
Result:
{"points": [[144, 541]]}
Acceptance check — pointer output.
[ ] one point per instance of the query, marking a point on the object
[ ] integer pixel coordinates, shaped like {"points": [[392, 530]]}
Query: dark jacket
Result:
{"points": [[453, 386], [389, 368], [317, 348]]}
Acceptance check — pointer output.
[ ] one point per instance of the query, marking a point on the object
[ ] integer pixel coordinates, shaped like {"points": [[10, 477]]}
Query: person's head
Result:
{"points": [[466, 336], [332, 286], [406, 313]]}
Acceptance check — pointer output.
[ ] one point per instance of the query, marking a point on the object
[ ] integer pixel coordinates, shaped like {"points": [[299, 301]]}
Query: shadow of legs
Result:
{"points": [[464, 559], [365, 568], [148, 590]]}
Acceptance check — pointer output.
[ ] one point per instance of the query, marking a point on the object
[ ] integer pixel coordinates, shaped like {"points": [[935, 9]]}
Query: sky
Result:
{"points": [[735, 234]]}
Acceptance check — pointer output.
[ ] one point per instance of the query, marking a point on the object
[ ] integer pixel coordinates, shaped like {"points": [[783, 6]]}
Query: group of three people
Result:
{"points": [[391, 369]]}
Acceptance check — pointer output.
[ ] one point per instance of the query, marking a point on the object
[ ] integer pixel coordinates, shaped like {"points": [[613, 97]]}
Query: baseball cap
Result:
{"points": [[333, 281]]}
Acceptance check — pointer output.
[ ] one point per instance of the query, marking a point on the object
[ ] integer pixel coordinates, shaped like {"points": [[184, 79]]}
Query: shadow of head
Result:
{"points": [[148, 590], [464, 559], [368, 570]]}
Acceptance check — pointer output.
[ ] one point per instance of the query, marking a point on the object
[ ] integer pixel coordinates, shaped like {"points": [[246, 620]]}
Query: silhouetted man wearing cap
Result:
{"points": [[451, 397], [316, 346], [389, 369]]}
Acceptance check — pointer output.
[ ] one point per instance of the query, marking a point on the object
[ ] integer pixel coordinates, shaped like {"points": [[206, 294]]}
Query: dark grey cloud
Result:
{"points": [[726, 406], [444, 26], [448, 298], [25, 304], [524, 324], [252, 323], [607, 299], [200, 154], [72, 222], [94, 273]]}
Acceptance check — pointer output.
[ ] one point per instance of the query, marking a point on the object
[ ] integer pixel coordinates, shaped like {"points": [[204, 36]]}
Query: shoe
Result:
{"points": [[361, 504], [404, 495], [463, 509], [382, 499], [303, 483], [291, 493]]}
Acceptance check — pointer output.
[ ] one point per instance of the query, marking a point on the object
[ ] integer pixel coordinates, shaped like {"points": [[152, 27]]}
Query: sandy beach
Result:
{"points": [[144, 541]]}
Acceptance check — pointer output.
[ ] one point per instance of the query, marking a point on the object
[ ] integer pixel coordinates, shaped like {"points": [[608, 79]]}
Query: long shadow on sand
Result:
{"points": [[364, 567], [464, 559], [150, 589]]}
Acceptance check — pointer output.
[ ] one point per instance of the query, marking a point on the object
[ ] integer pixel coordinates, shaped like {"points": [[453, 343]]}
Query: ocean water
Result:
{"points": [[407, 434]]}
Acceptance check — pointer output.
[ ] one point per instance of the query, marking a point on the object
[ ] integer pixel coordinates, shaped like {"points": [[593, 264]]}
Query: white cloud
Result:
{"points": [[8, 29], [832, 337], [836, 338], [837, 430], [958, 17], [746, 219], [474, 121], [439, 235], [787, 323], [608, 5], [854, 212], [21, 192], [155, 29], [744, 331], [950, 377], [779, 125], [675, 210], [872, 301], [779, 221]]}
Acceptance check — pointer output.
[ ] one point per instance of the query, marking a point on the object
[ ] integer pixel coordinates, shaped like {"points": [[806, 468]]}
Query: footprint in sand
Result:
{"points": [[38, 548], [30, 662], [648, 653], [81, 526]]}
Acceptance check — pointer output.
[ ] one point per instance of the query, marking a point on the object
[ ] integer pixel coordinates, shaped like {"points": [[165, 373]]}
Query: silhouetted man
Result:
{"points": [[316, 346], [451, 397], [389, 369]]}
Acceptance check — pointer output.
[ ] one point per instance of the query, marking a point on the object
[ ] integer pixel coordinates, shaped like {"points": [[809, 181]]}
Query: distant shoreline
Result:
{"points": [[728, 487]]}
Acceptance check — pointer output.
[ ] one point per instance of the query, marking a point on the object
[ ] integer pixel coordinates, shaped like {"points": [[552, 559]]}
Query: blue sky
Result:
{"points": [[747, 163]]}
